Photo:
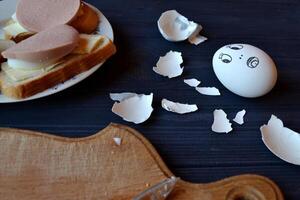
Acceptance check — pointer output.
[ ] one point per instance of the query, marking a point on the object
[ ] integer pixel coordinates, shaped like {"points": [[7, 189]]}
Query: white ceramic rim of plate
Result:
{"points": [[104, 28]]}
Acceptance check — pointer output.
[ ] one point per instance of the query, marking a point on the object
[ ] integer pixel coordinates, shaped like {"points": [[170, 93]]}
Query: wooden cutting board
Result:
{"points": [[40, 166]]}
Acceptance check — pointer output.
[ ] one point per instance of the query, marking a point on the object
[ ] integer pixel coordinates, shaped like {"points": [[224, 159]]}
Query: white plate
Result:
{"points": [[104, 28]]}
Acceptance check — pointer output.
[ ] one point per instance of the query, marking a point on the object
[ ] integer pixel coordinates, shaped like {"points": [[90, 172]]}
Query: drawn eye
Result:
{"points": [[225, 58], [252, 62], [235, 46]]}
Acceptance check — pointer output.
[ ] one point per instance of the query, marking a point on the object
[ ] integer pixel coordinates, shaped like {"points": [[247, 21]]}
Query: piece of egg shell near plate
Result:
{"points": [[245, 70], [175, 27]]}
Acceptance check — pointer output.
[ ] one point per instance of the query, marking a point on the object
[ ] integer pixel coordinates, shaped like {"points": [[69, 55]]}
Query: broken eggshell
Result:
{"points": [[221, 124], [118, 141], [175, 27], [178, 107], [210, 91], [121, 96], [281, 141], [192, 82], [136, 108], [169, 65], [196, 38], [239, 117]]}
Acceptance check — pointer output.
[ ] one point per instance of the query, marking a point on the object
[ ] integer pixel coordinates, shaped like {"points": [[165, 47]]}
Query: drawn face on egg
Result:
{"points": [[245, 69], [231, 56]]}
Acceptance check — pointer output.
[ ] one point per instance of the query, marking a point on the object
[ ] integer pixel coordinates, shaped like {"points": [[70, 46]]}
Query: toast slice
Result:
{"points": [[70, 66], [87, 20]]}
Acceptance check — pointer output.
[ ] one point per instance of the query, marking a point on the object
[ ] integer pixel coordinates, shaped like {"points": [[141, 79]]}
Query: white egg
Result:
{"points": [[245, 70]]}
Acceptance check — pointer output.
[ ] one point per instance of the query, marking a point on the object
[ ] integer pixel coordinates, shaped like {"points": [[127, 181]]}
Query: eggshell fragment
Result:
{"points": [[14, 17], [281, 141], [210, 91], [221, 124], [118, 141], [192, 82], [178, 107], [175, 27], [121, 96], [196, 38], [136, 108], [169, 65], [239, 118]]}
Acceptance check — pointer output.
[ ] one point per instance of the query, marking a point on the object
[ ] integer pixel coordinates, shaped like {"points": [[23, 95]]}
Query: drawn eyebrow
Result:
{"points": [[235, 47]]}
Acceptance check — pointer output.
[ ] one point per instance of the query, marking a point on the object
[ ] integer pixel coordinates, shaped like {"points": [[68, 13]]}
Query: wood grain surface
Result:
{"points": [[40, 166], [186, 143]]}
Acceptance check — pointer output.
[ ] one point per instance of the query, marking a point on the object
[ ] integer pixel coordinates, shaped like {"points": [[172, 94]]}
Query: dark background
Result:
{"points": [[186, 142]]}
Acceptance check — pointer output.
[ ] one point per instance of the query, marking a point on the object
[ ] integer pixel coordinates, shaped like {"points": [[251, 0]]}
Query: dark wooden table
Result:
{"points": [[186, 142]]}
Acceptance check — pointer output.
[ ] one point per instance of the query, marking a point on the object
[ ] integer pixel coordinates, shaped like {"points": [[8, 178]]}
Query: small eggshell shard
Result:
{"points": [[196, 38], [281, 141], [245, 70], [192, 82], [169, 65], [14, 17], [121, 96], [178, 107], [118, 141], [175, 27], [136, 109], [239, 118], [221, 124], [210, 91]]}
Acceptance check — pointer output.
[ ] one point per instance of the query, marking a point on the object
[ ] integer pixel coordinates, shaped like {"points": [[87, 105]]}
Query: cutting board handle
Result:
{"points": [[243, 187]]}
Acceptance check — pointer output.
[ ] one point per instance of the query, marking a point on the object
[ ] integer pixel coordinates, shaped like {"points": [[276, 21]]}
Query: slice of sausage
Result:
{"points": [[50, 44], [38, 15]]}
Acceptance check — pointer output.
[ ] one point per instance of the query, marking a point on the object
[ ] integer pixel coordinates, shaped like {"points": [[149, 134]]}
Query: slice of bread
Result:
{"points": [[72, 65], [87, 20]]}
